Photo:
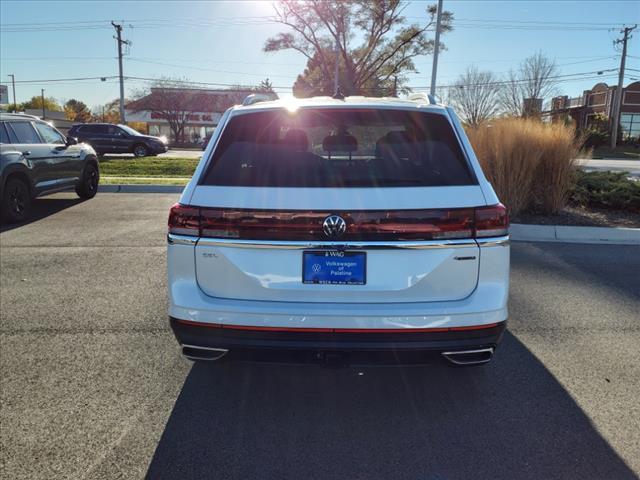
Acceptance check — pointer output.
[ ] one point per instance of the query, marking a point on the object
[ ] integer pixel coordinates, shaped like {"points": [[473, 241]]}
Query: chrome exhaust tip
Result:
{"points": [[193, 352], [469, 357]]}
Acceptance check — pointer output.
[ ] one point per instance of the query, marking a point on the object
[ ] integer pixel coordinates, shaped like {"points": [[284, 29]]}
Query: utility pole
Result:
{"points": [[615, 114], [336, 85], [13, 85], [434, 70], [120, 42], [42, 96]]}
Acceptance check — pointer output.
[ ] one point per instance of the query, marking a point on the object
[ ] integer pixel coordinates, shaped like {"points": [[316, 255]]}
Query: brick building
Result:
{"points": [[200, 108], [597, 103]]}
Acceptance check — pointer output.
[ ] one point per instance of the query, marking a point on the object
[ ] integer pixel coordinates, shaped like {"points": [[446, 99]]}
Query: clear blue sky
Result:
{"points": [[222, 42]]}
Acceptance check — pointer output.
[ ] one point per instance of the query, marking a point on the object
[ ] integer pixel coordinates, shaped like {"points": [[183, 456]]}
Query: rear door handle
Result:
{"points": [[26, 153]]}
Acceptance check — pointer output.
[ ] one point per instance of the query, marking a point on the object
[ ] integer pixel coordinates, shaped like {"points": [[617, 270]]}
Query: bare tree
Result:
{"points": [[178, 102], [169, 100], [170, 104], [529, 85], [475, 94], [376, 65]]}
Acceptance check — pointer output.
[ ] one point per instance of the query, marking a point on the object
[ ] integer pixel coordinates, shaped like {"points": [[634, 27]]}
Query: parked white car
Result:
{"points": [[339, 230]]}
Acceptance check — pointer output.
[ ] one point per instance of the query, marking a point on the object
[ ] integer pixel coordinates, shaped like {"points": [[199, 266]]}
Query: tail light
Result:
{"points": [[184, 220], [492, 221], [366, 225]]}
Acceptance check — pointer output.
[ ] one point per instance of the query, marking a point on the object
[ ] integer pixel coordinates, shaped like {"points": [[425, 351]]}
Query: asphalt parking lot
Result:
{"points": [[92, 385]]}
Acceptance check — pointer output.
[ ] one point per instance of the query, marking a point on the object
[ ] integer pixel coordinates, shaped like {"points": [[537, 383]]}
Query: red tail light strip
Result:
{"points": [[491, 221], [366, 225], [337, 330]]}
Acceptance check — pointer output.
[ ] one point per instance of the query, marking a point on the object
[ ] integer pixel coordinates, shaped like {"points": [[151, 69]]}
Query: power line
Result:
{"points": [[183, 60], [13, 59], [550, 28], [265, 20], [131, 20], [190, 82], [270, 19], [528, 24], [504, 60], [200, 61], [561, 78], [52, 80], [506, 72], [298, 65], [204, 69], [144, 24], [558, 78], [544, 22]]}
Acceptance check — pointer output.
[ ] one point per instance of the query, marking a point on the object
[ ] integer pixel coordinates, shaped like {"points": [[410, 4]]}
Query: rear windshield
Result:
{"points": [[338, 148]]}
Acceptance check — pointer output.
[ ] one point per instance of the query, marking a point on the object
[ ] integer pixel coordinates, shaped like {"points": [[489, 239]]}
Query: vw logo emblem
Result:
{"points": [[334, 226]]}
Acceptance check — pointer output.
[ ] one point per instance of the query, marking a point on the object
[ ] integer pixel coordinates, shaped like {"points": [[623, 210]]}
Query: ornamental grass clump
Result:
{"points": [[528, 162]]}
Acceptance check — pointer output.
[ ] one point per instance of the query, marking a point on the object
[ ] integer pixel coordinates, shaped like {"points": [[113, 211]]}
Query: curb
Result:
{"points": [[569, 234], [140, 188]]}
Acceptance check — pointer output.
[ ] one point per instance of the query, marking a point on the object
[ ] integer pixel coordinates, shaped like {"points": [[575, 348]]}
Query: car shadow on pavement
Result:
{"points": [[583, 264], [42, 208], [509, 419]]}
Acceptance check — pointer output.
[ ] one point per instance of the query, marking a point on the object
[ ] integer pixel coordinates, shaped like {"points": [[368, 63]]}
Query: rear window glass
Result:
{"points": [[338, 148], [24, 132]]}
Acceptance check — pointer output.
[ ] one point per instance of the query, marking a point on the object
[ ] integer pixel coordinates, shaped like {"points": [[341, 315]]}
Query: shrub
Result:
{"points": [[611, 190], [595, 138], [529, 163]]}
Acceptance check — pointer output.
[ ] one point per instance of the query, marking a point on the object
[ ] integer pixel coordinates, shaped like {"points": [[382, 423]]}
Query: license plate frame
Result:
{"points": [[324, 276]]}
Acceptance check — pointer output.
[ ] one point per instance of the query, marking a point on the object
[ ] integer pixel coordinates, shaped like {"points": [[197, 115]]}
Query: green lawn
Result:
{"points": [[148, 167], [624, 151]]}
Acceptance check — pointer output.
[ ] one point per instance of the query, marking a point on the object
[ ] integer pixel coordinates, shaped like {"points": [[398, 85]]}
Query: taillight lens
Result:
{"points": [[430, 224], [398, 225], [262, 224], [492, 221], [184, 220], [364, 225]]}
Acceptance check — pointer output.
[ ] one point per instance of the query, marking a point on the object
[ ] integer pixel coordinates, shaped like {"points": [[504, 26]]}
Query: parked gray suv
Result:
{"points": [[36, 159]]}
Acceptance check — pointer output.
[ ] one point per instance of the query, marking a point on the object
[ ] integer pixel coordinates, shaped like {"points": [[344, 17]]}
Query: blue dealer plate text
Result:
{"points": [[333, 267]]}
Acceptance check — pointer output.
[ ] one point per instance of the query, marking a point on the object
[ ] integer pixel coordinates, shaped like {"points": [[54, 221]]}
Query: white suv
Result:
{"points": [[340, 230]]}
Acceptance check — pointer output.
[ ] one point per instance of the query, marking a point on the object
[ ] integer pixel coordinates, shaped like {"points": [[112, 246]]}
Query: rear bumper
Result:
{"points": [[355, 345], [486, 305]]}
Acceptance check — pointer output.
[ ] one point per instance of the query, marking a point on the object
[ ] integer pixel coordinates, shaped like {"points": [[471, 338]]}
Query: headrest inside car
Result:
{"points": [[296, 139], [341, 142]]}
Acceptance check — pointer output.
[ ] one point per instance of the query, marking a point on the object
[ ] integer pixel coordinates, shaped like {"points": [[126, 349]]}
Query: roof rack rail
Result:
{"points": [[421, 96], [258, 97]]}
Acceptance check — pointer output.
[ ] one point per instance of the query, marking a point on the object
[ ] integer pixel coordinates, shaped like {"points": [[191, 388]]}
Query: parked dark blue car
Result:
{"points": [[109, 138]]}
